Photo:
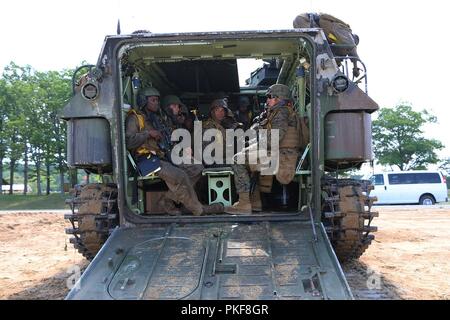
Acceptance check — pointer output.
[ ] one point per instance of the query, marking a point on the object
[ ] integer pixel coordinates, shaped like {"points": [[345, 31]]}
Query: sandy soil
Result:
{"points": [[36, 258], [410, 255], [410, 258]]}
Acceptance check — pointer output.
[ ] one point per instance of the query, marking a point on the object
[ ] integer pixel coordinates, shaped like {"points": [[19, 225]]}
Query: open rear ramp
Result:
{"points": [[259, 260]]}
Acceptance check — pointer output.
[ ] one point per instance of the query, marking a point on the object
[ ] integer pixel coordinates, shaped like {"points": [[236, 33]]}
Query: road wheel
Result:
{"points": [[427, 200]]}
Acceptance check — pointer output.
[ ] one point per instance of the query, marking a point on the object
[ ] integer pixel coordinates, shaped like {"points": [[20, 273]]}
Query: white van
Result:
{"points": [[423, 187]]}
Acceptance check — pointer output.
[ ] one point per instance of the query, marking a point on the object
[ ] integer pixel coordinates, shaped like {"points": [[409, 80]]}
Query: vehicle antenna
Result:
{"points": [[118, 17]]}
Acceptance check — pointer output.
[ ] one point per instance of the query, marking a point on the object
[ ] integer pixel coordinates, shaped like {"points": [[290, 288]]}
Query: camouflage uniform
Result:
{"points": [[170, 119], [180, 181], [283, 118], [241, 178], [280, 117]]}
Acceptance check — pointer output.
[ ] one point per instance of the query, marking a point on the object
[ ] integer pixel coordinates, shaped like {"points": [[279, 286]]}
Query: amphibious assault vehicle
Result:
{"points": [[290, 250]]}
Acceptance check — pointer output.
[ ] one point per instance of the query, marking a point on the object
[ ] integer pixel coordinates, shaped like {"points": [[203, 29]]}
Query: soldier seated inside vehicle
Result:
{"points": [[222, 118]]}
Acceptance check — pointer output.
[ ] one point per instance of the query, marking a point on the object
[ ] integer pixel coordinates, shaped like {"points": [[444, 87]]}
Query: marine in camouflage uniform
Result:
{"points": [[243, 114], [142, 138], [172, 107], [170, 118], [279, 116], [336, 31], [221, 118], [282, 117]]}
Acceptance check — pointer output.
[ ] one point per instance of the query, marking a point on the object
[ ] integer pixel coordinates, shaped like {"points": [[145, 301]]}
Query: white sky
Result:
{"points": [[403, 43]]}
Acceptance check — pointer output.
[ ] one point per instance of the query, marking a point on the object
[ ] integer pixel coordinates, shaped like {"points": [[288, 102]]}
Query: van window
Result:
{"points": [[403, 178], [413, 178], [378, 179], [428, 178]]}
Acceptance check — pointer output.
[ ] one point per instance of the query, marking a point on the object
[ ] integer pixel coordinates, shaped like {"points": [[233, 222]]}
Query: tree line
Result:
{"points": [[30, 128]]}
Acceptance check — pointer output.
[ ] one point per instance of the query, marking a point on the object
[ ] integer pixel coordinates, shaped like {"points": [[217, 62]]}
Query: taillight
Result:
{"points": [[444, 178]]}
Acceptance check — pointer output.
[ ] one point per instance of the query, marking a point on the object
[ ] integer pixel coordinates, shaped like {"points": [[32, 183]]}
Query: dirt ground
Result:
{"points": [[410, 258], [36, 258]]}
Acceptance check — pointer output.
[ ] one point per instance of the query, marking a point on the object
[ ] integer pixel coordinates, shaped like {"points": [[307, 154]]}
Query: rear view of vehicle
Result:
{"points": [[290, 249], [410, 187]]}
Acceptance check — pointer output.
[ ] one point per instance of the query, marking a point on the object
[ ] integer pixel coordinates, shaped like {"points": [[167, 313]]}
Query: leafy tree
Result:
{"points": [[445, 165], [19, 100], [25, 122], [15, 78], [30, 128], [3, 119], [39, 134], [58, 86], [398, 138]]}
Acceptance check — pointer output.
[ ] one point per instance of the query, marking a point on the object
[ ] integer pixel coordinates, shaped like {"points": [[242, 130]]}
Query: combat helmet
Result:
{"points": [[280, 91], [144, 93], [220, 103], [171, 99]]}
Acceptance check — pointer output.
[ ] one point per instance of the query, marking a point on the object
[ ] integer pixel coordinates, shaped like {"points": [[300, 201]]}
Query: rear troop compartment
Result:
{"points": [[203, 70]]}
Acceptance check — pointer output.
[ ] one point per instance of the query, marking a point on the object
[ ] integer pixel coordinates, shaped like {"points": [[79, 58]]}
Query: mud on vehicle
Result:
{"points": [[289, 249]]}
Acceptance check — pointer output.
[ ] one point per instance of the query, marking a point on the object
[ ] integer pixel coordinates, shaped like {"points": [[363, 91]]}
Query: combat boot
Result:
{"points": [[170, 208], [243, 206], [213, 208], [255, 199]]}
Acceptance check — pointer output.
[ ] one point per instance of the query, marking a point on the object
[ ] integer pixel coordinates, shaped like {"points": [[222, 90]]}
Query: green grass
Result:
{"points": [[33, 202]]}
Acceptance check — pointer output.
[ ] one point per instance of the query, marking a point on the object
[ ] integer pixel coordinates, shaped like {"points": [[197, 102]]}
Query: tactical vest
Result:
{"points": [[143, 150], [295, 138], [291, 139]]}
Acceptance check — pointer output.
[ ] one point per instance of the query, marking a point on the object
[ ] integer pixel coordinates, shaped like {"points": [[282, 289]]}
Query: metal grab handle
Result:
{"points": [[90, 66]]}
